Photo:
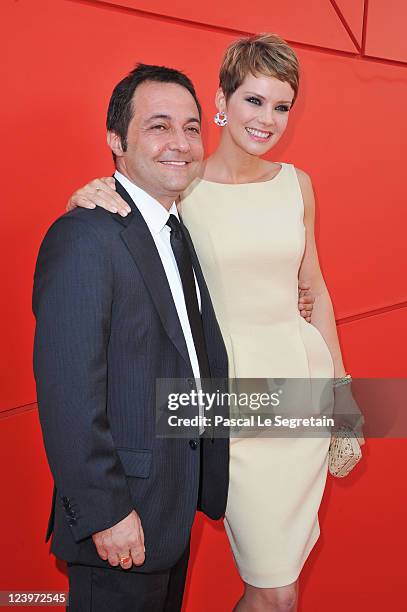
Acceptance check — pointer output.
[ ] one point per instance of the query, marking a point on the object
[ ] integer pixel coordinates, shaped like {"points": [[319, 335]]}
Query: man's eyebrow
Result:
{"points": [[158, 116], [168, 118]]}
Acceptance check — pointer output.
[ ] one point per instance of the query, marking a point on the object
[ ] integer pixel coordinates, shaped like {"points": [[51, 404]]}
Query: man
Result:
{"points": [[119, 303]]}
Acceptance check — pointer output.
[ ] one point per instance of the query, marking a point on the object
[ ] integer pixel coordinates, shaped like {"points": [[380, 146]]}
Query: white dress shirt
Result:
{"points": [[156, 217]]}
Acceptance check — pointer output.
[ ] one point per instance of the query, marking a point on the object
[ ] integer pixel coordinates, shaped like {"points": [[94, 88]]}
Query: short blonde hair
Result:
{"points": [[263, 54]]}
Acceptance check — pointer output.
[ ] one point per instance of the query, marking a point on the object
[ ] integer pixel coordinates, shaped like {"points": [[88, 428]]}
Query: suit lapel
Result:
{"points": [[140, 243]]}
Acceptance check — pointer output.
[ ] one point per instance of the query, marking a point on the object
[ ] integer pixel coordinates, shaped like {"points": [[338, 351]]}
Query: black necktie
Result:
{"points": [[183, 259]]}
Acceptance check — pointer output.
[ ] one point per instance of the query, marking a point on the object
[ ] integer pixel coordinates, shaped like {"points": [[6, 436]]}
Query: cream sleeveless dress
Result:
{"points": [[250, 240]]}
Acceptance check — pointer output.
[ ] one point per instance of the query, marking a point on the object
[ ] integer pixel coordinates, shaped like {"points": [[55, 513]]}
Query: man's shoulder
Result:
{"points": [[97, 217], [81, 221]]}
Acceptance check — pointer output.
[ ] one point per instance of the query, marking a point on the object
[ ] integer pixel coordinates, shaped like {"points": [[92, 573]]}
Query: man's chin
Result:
{"points": [[177, 185]]}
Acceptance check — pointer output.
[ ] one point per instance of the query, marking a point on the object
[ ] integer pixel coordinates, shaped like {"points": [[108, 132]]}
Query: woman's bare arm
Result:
{"points": [[323, 317]]}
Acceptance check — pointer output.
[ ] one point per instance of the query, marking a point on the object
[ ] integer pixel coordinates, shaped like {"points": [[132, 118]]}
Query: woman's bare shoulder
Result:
{"points": [[307, 191], [303, 177]]}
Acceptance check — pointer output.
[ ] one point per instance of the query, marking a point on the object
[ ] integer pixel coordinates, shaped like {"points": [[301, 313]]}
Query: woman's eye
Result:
{"points": [[254, 100], [283, 108]]}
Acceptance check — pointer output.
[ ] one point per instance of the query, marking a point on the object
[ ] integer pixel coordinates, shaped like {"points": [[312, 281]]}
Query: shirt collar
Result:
{"points": [[154, 213]]}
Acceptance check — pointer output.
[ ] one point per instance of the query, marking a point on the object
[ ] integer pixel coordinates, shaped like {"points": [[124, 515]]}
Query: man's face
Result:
{"points": [[164, 145]]}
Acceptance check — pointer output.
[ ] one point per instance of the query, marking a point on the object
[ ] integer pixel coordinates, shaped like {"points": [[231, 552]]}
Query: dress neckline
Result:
{"points": [[275, 177]]}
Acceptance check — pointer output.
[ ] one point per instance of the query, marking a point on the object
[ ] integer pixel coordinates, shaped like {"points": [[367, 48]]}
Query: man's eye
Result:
{"points": [[283, 108], [158, 127], [194, 129], [254, 100]]}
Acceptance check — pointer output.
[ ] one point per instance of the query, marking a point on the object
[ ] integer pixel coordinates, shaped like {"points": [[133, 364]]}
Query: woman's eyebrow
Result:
{"points": [[252, 93]]}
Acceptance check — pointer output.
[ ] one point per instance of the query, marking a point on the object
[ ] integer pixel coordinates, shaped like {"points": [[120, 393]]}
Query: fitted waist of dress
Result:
{"points": [[241, 317], [250, 329]]}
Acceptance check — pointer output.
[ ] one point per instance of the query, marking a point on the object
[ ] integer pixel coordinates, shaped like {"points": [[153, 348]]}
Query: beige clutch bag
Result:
{"points": [[344, 452]]}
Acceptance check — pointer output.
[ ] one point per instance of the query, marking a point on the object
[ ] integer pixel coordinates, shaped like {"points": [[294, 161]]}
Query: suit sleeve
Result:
{"points": [[72, 301]]}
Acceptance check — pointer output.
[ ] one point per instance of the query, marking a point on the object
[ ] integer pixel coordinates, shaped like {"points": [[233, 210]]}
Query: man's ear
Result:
{"points": [[220, 101], [115, 143]]}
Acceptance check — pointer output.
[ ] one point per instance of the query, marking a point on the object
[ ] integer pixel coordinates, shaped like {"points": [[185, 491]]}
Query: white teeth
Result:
{"points": [[258, 133], [174, 163]]}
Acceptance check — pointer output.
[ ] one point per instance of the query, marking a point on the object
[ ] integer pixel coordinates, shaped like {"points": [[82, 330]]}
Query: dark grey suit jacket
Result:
{"points": [[106, 329]]}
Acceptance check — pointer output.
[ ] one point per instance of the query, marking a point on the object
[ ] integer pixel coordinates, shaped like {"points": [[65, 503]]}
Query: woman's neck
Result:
{"points": [[230, 164]]}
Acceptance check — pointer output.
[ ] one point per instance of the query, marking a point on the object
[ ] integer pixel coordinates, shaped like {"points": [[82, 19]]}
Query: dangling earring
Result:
{"points": [[220, 119]]}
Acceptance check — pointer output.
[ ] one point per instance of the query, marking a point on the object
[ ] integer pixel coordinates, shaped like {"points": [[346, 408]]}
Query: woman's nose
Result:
{"points": [[267, 117]]}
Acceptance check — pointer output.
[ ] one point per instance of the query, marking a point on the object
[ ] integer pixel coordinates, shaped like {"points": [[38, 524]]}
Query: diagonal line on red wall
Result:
{"points": [[371, 313], [346, 25], [364, 26], [17, 410]]}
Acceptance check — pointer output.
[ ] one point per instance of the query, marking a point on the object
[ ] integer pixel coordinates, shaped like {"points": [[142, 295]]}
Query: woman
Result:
{"points": [[252, 223]]}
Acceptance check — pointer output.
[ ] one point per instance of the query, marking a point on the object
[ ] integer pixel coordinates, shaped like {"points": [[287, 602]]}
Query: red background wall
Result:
{"points": [[60, 61]]}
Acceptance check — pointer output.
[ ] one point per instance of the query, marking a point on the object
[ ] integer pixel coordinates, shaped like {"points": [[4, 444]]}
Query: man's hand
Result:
{"points": [[125, 539], [305, 301]]}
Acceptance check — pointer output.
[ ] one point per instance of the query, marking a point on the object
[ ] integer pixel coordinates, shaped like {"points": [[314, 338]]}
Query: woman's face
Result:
{"points": [[257, 112]]}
